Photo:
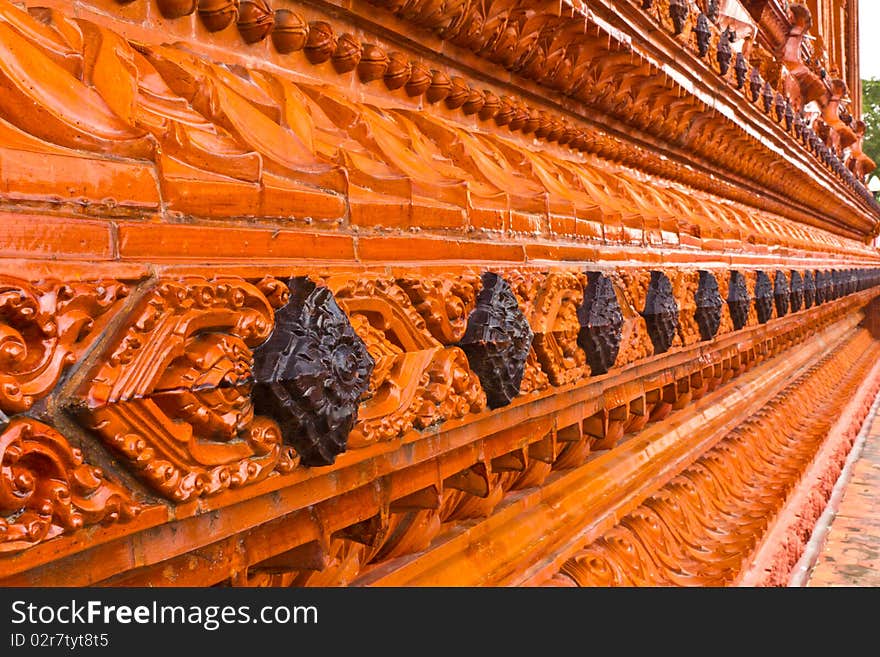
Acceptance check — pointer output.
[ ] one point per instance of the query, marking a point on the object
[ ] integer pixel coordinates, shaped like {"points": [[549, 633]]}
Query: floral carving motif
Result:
{"points": [[310, 374], [796, 295], [809, 289], [46, 489], [416, 382], [781, 293], [709, 303], [497, 341], [661, 312], [763, 297]]}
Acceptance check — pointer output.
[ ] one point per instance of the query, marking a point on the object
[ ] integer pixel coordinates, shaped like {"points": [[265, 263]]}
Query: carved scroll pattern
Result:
{"points": [[418, 381], [46, 489], [45, 327], [283, 149]]}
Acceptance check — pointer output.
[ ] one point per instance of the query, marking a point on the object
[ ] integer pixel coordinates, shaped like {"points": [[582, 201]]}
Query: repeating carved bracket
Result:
{"points": [[46, 489], [172, 392]]}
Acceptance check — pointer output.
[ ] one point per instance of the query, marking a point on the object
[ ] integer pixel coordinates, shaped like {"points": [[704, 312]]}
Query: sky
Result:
{"points": [[869, 26]]}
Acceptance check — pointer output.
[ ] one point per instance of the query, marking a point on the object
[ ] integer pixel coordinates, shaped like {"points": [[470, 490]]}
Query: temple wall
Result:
{"points": [[415, 294]]}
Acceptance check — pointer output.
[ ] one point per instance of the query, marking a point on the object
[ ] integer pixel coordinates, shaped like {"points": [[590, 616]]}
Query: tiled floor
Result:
{"points": [[850, 555]]}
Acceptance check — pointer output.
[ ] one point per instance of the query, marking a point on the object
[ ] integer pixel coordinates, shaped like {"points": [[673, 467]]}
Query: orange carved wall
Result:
{"points": [[415, 293]]}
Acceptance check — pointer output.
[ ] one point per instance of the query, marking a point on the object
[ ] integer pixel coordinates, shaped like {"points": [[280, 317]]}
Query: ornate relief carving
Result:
{"points": [[701, 528], [46, 489], [497, 341], [172, 393], [45, 327], [311, 373], [444, 302], [550, 303], [416, 382]]}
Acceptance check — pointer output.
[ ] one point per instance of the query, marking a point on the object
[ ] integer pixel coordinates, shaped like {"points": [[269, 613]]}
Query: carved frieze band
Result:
{"points": [[214, 384], [210, 384]]}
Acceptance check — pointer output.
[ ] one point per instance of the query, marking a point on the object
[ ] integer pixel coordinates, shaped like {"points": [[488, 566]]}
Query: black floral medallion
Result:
{"points": [[763, 297], [709, 303], [311, 373], [738, 300], [809, 289], [601, 323], [796, 295], [497, 341], [661, 312], [781, 293]]}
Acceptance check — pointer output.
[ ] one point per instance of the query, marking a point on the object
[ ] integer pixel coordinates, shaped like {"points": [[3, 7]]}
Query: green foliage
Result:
{"points": [[871, 117]]}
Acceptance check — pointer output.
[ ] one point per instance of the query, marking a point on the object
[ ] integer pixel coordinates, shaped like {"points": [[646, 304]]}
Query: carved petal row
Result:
{"points": [[216, 384], [701, 528], [308, 151]]}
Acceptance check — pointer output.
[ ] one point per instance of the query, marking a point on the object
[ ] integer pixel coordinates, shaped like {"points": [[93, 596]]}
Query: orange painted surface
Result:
{"points": [[288, 300]]}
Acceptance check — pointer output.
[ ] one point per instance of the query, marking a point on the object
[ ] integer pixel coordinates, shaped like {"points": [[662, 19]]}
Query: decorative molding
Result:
{"points": [[701, 527]]}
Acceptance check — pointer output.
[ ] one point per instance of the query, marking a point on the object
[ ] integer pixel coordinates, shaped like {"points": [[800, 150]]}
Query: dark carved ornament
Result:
{"points": [[497, 341], [738, 300], [704, 35], [763, 297], [712, 10], [678, 12], [781, 293], [767, 97], [755, 84], [661, 312], [822, 291], [809, 289], [709, 303], [725, 52], [311, 373], [741, 68], [601, 323], [796, 296]]}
